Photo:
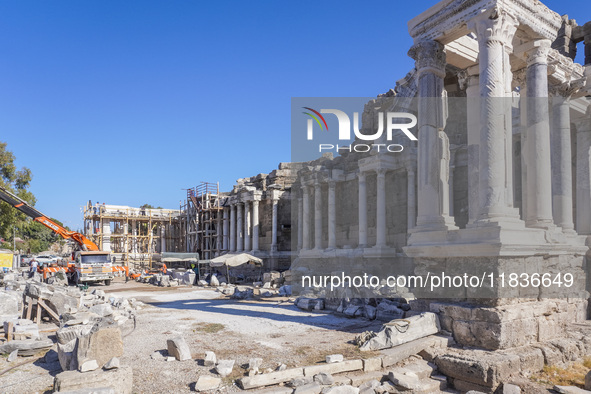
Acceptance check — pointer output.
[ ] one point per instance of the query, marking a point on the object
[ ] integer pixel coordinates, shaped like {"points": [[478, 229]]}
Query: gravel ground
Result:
{"points": [[272, 329]]}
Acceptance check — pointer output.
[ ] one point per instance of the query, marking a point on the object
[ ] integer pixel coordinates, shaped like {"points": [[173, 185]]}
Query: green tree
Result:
{"points": [[17, 182], [149, 206]]}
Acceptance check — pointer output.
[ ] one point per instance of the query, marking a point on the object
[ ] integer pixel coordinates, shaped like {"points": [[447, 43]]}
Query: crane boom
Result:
{"points": [[24, 207]]}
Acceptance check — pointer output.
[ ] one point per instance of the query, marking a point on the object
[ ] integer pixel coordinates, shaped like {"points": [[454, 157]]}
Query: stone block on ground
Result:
{"points": [[29, 347], [207, 382], [334, 368], [254, 364], [270, 379], [324, 379], [210, 359], [345, 389], [588, 381], [224, 367], [12, 356], [88, 365], [112, 363], [310, 388], [569, 390], [101, 345], [511, 389], [372, 364], [120, 380], [398, 332], [334, 358], [396, 354], [178, 348]]}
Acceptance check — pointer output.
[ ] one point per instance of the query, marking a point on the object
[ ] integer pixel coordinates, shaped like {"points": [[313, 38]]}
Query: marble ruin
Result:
{"points": [[506, 186]]}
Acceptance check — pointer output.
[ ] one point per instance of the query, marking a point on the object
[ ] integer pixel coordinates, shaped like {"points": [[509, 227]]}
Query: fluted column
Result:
{"points": [[317, 215], [433, 144], [411, 199], [539, 187], [255, 225], [583, 165], [473, 125], [239, 228], [226, 230], [381, 230], [306, 217], [247, 226], [233, 228], [362, 210], [300, 222], [495, 30], [332, 228], [274, 225], [562, 176]]}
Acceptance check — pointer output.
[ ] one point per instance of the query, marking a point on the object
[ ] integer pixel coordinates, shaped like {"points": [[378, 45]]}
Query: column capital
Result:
{"points": [[361, 175], [566, 89], [381, 172], [494, 25], [537, 52], [429, 56]]}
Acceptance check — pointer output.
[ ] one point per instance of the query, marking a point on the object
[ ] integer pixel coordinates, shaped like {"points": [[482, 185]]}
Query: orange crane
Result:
{"points": [[20, 204], [89, 264]]}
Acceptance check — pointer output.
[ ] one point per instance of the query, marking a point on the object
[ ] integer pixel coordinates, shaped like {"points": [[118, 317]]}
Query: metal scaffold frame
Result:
{"points": [[135, 234], [204, 220]]}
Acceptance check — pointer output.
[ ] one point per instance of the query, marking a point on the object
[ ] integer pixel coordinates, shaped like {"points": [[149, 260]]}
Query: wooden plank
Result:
{"points": [[29, 307], [49, 310], [9, 332], [38, 318]]}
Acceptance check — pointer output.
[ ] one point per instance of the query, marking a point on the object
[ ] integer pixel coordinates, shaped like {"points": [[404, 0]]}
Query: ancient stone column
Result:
{"points": [[381, 230], [494, 29], [583, 187], [134, 240], [332, 228], [247, 225], [562, 177], [433, 145], [306, 217], [411, 199], [274, 225], [219, 232], [520, 77], [317, 215], [106, 235], [233, 228], [255, 225], [362, 210], [539, 186], [162, 239], [239, 228], [300, 223], [226, 230], [125, 237]]}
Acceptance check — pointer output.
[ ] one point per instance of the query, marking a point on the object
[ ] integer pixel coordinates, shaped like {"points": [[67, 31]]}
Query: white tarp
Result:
{"points": [[234, 260]]}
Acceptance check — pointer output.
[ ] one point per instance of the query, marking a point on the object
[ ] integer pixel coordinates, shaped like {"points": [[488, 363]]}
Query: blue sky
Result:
{"points": [[129, 102]]}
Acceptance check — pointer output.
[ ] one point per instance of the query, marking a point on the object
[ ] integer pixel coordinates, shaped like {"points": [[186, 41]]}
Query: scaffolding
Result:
{"points": [[133, 235], [204, 220]]}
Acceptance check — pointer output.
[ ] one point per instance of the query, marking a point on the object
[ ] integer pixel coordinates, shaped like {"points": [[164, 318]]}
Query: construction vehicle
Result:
{"points": [[88, 263]]}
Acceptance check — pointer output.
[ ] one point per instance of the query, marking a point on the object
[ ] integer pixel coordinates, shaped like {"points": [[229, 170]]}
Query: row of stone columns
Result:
{"points": [[313, 191], [241, 226], [489, 123]]}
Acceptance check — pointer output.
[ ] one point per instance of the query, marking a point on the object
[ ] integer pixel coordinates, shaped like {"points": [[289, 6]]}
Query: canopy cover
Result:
{"points": [[235, 260]]}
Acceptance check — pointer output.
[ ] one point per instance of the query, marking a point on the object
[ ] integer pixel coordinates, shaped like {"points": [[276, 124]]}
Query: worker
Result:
{"points": [[33, 267], [195, 269]]}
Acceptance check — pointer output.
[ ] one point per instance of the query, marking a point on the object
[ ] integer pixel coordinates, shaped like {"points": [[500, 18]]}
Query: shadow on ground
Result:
{"points": [[271, 311]]}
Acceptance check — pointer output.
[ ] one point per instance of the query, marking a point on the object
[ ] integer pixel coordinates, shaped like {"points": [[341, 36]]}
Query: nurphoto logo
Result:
{"points": [[394, 121]]}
